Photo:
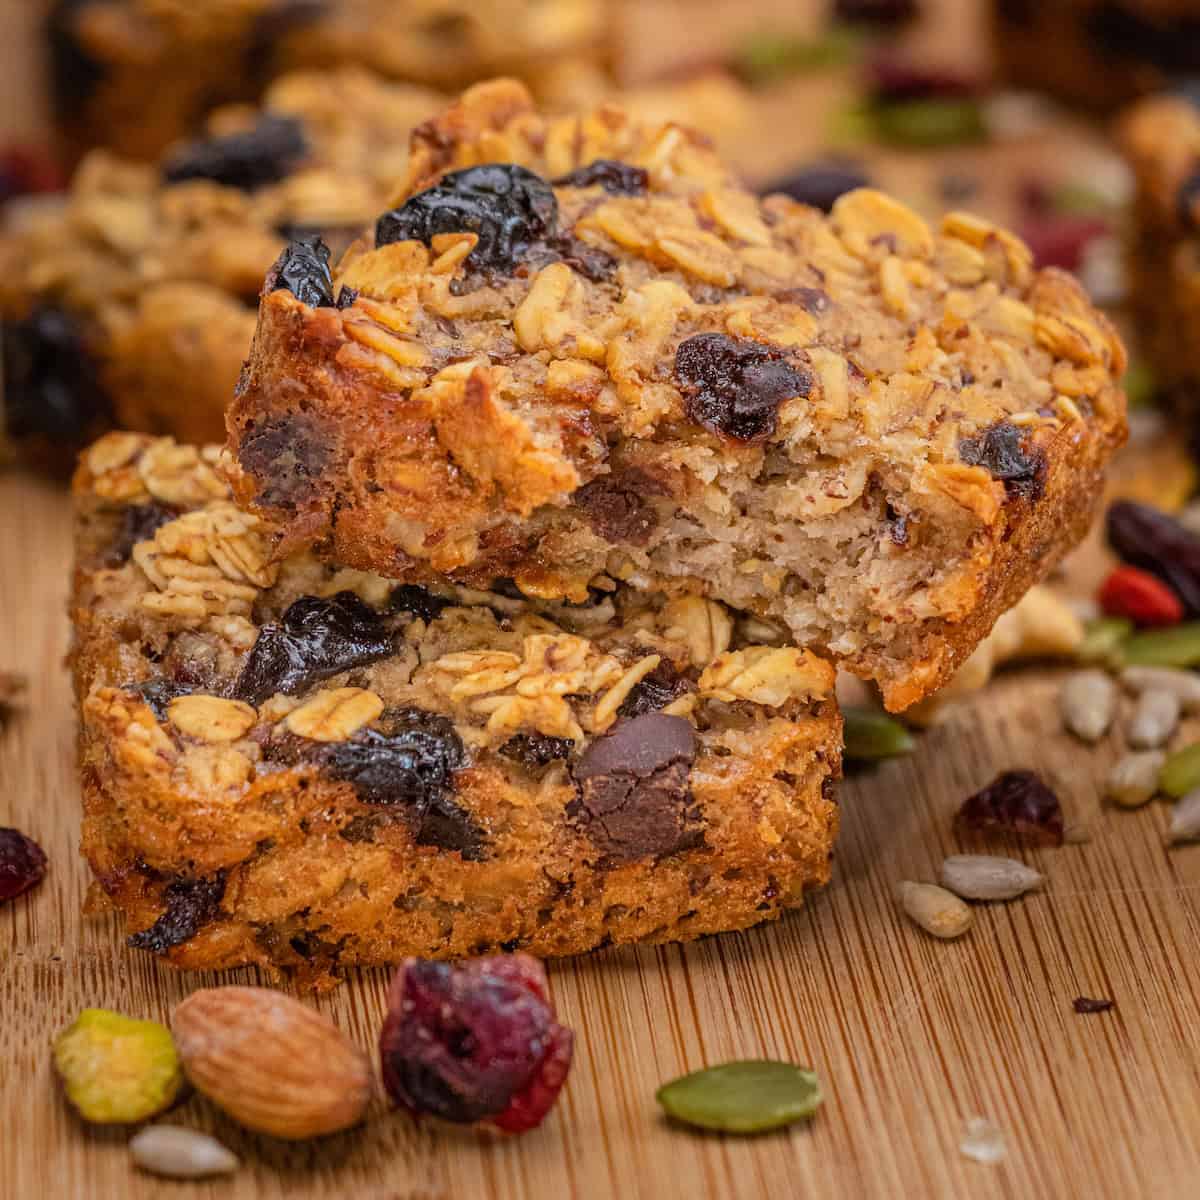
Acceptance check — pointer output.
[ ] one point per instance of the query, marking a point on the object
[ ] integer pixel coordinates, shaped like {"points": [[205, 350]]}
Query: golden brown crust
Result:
{"points": [[957, 407]]}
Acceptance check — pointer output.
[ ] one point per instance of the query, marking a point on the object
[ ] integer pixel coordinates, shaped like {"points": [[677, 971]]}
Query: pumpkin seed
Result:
{"points": [[1185, 819], [180, 1153], [742, 1097], [1180, 774], [870, 735], [1185, 684], [936, 910], [1089, 702], [1134, 778], [1176, 647], [1102, 640], [1154, 719], [988, 877], [930, 122]]}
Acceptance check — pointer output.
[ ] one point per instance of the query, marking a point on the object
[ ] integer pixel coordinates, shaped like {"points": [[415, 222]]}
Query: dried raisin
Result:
{"points": [[265, 154], [1145, 537], [1017, 803], [303, 270], [1001, 451], [22, 863], [616, 178], [189, 904], [820, 184]]}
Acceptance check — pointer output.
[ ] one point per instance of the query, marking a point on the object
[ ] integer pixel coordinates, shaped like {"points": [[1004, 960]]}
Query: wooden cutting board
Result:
{"points": [[910, 1036]]}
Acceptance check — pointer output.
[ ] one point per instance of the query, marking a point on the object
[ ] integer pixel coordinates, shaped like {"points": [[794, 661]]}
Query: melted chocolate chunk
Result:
{"points": [[315, 639], [616, 178], [536, 749], [618, 507], [634, 797], [303, 270], [1000, 451], [284, 455], [661, 687], [734, 386], [265, 154], [190, 905], [138, 524]]}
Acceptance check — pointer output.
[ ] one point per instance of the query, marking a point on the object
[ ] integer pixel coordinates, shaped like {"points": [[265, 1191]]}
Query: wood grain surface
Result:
{"points": [[910, 1036]]}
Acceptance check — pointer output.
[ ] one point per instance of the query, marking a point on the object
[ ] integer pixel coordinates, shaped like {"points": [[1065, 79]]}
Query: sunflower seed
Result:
{"points": [[1185, 819], [1089, 702], [1154, 719], [988, 877], [1133, 779], [1185, 684], [180, 1153], [936, 910]]}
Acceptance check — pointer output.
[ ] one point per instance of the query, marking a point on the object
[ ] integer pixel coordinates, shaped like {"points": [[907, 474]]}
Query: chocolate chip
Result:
{"points": [[190, 904], [634, 797], [1001, 452], [284, 455], [618, 508]]}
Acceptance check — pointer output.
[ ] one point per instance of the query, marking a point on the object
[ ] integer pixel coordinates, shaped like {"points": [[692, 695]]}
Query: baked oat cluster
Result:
{"points": [[574, 351], [134, 302], [137, 75], [306, 766]]}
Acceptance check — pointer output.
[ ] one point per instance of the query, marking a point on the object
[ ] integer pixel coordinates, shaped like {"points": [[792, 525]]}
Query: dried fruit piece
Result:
{"points": [[189, 905], [1083, 1004], [536, 749], [988, 877], [116, 1070], [1017, 803], [1102, 640], [474, 1041], [870, 735], [1088, 701], [1133, 779], [303, 270], [1148, 538], [1185, 819], [664, 685], [22, 863], [507, 206], [265, 154], [178, 1153], [937, 911], [754, 1096], [1154, 719], [734, 386], [820, 184], [273, 1064], [315, 639], [1176, 647], [1180, 774], [1000, 450], [1140, 596], [418, 601], [616, 178]]}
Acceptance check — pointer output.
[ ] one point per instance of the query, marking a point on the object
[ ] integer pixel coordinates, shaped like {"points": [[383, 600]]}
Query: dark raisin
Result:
{"points": [[536, 749], [591, 262], [508, 206], [346, 297], [76, 73], [1017, 803], [418, 601], [303, 270], [474, 1041], [158, 694], [1085, 1004], [138, 524], [619, 507], [1145, 537], [411, 766], [634, 797], [315, 638], [189, 904], [616, 178], [875, 12], [336, 237], [661, 687], [820, 184], [51, 385], [22, 864], [1000, 450], [734, 386], [285, 456], [248, 160], [1189, 202]]}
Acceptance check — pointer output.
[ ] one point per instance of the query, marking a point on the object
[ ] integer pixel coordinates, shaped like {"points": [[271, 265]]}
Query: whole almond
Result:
{"points": [[272, 1063]]}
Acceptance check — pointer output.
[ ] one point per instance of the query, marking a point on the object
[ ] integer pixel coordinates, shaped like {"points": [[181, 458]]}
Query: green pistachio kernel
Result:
{"points": [[871, 735], [1180, 774], [1175, 647], [742, 1097]]}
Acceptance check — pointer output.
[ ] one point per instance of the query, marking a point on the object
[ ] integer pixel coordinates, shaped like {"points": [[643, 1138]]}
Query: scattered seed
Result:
{"points": [[180, 1153], [1185, 819], [1102, 640], [988, 877], [742, 1097], [1180, 774], [1177, 647], [870, 735], [1133, 779], [1089, 702], [1084, 1004], [983, 1141], [1184, 684], [936, 910], [1154, 719]]}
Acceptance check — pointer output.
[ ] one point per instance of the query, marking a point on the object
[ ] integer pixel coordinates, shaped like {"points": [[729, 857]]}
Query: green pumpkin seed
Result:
{"points": [[742, 1097], [1180, 774], [930, 122], [871, 735], [1103, 639], [1176, 647], [767, 57]]}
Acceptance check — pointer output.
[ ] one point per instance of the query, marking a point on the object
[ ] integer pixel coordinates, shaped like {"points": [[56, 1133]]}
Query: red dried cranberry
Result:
{"points": [[1001, 451], [27, 171], [1060, 239], [616, 178], [248, 160], [507, 206], [1017, 803], [303, 270], [1148, 538], [735, 386], [892, 78], [474, 1041], [22, 863]]}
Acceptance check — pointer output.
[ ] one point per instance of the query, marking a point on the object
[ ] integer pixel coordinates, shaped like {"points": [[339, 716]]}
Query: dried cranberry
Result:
{"points": [[616, 178], [189, 904], [247, 160], [22, 864], [892, 78], [1060, 239], [474, 1041], [1148, 538], [735, 386], [820, 184], [138, 524], [1017, 803], [303, 270], [655, 691], [28, 171], [51, 385], [507, 206], [411, 765], [536, 749], [1084, 1004], [419, 601], [1000, 450], [316, 638]]}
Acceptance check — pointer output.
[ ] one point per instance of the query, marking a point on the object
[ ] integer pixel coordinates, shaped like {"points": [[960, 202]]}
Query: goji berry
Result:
{"points": [[1140, 596]]}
